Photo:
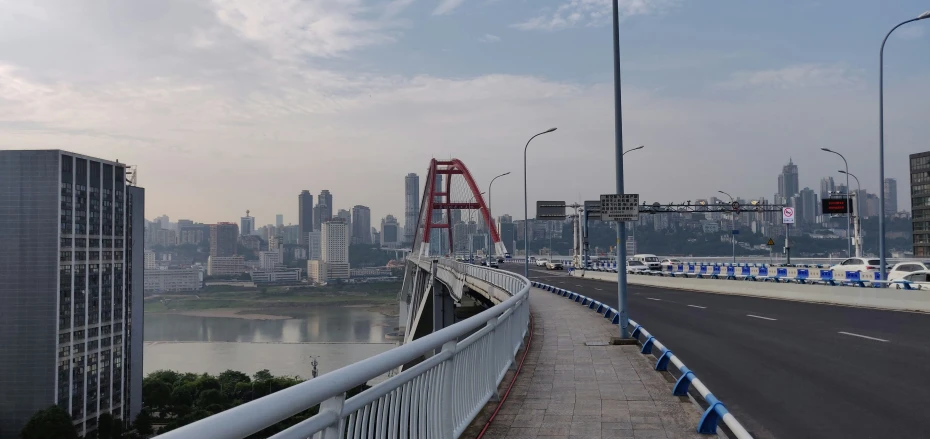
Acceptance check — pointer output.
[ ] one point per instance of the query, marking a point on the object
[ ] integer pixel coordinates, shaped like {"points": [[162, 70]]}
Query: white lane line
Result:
{"points": [[653, 298], [760, 317], [599, 289], [864, 336], [695, 306], [579, 286]]}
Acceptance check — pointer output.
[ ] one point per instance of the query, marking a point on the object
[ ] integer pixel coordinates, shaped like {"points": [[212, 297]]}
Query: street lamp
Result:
{"points": [[732, 226], [848, 217], [490, 217], [881, 142], [858, 213], [634, 149], [526, 209]]}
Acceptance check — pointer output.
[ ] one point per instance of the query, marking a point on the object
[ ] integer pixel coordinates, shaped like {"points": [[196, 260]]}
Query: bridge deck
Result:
{"points": [[568, 389]]}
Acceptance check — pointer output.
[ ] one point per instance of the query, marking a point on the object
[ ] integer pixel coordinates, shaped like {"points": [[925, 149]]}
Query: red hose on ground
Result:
{"points": [[529, 341]]}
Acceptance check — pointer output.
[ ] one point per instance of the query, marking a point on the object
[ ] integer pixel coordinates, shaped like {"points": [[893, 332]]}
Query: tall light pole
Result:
{"points": [[858, 226], [634, 224], [618, 139], [732, 226], [881, 143], [490, 217], [634, 149], [526, 209], [848, 206]]}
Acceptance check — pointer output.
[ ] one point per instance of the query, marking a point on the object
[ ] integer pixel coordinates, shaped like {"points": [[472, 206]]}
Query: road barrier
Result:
{"points": [[715, 411]]}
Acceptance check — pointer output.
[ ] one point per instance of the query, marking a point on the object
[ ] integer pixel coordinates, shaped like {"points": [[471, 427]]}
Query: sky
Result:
{"points": [[230, 105]]}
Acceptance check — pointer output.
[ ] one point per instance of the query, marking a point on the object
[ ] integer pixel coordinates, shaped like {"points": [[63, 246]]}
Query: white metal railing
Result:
{"points": [[437, 398]]}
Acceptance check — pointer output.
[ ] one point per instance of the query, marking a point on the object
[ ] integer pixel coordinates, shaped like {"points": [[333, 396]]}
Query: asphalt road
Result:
{"points": [[789, 369]]}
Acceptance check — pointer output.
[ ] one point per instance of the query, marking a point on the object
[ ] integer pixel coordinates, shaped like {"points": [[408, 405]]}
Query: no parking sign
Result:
{"points": [[787, 215]]}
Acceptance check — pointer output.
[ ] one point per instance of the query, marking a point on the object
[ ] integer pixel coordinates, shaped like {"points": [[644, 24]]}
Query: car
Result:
{"points": [[552, 265], [507, 256], [651, 261], [636, 266], [491, 264], [500, 260], [857, 264], [902, 269], [919, 280], [541, 262], [670, 262]]}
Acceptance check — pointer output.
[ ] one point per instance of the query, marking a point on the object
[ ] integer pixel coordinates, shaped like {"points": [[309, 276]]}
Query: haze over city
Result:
{"points": [[231, 105]]}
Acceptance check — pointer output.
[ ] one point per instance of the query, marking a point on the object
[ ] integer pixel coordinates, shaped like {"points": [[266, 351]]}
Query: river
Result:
{"points": [[336, 336]]}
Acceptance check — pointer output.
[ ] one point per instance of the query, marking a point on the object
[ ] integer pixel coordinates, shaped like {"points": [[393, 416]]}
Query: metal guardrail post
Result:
{"points": [[335, 405], [446, 406]]}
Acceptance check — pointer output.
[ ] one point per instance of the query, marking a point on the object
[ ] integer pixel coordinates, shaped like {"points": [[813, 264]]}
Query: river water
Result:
{"points": [[336, 336]]}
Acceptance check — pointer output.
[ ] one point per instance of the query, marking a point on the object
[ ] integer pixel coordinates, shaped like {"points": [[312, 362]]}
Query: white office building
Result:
{"points": [[173, 280], [225, 265], [334, 248]]}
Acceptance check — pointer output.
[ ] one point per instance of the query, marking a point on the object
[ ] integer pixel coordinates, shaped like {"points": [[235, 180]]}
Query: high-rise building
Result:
{"points": [[807, 206], [224, 239], [508, 235], [390, 232], [279, 220], [788, 180], [304, 215], [361, 225], [891, 196], [315, 242], [827, 185], [411, 206], [334, 248], [324, 207], [247, 224], [71, 266], [347, 217], [920, 203]]}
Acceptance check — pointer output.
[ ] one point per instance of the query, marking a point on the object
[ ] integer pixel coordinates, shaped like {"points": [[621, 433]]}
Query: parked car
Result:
{"points": [[651, 261], [541, 262], [636, 266], [858, 264], [921, 278], [902, 269], [670, 261], [552, 265], [490, 263]]}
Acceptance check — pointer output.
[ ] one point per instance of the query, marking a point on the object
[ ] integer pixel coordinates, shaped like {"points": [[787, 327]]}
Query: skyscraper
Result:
{"points": [[827, 185], [247, 224], [411, 206], [324, 206], [72, 275], [347, 217], [224, 239], [334, 248], [920, 203], [788, 180], [304, 215], [390, 232], [807, 206], [361, 225], [891, 196], [279, 220]]}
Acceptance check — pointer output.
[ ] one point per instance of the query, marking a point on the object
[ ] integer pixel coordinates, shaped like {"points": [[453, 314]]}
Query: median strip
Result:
{"points": [[864, 336], [760, 317]]}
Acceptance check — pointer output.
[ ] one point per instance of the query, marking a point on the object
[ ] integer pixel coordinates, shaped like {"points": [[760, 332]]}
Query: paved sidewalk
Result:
{"points": [[570, 390]]}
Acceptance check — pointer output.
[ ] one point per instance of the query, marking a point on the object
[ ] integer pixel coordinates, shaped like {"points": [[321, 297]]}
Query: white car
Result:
{"points": [[902, 269], [541, 262], [636, 266], [650, 260], [858, 264], [919, 280], [670, 262], [553, 265]]}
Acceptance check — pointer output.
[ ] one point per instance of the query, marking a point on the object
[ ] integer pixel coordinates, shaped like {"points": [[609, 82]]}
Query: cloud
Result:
{"points": [[447, 6], [591, 13], [796, 77], [488, 38]]}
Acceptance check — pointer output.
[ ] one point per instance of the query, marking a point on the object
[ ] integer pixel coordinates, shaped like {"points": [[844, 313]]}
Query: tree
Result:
{"points": [[157, 394], [262, 375], [51, 423], [105, 426], [143, 422]]}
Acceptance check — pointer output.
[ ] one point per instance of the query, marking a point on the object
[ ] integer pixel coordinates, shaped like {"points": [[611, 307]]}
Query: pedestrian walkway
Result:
{"points": [[573, 386]]}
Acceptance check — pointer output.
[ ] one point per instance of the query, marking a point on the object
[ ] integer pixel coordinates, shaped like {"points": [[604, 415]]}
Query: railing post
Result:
{"points": [[335, 405], [446, 406]]}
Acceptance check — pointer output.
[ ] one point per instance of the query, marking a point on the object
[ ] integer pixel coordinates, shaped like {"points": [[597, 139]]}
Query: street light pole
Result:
{"points": [[881, 143], [618, 139], [858, 226], [848, 206], [491, 217], [526, 209], [633, 229], [732, 226], [634, 149]]}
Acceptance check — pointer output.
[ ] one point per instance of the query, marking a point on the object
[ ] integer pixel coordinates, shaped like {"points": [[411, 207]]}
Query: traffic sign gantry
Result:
{"points": [[620, 207], [787, 215], [550, 210]]}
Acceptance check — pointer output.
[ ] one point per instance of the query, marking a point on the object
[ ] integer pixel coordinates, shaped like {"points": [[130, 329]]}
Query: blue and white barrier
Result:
{"points": [[715, 411]]}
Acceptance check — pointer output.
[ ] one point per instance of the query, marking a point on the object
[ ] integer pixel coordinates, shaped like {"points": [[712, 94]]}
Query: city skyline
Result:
{"points": [[344, 96]]}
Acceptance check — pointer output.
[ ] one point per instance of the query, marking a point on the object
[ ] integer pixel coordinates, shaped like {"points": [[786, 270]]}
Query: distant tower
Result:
{"points": [[411, 206], [788, 180]]}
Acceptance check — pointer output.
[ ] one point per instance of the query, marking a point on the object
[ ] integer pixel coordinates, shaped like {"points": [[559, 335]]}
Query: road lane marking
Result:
{"points": [[760, 317], [695, 306], [599, 289], [864, 336], [653, 298], [579, 286]]}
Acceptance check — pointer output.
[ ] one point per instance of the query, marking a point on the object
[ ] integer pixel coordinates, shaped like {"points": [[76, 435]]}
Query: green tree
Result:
{"points": [[143, 422], [157, 394], [209, 397], [263, 375], [51, 423], [105, 426]]}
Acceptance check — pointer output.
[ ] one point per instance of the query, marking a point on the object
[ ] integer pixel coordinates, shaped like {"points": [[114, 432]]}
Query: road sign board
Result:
{"points": [[787, 215], [736, 231], [620, 207], [550, 210], [771, 242], [735, 205], [593, 207]]}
